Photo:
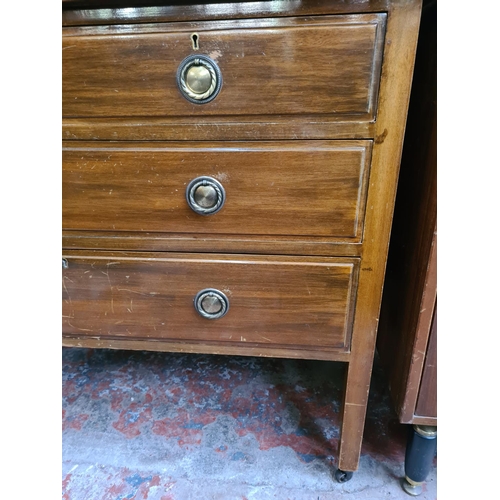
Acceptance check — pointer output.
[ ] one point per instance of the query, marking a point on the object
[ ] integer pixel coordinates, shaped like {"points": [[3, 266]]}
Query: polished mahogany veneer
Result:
{"points": [[229, 174], [294, 188], [290, 66], [274, 301]]}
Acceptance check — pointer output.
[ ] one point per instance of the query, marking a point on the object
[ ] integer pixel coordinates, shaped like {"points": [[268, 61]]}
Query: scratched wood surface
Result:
{"points": [[399, 54], [273, 301], [182, 242], [410, 291], [291, 66], [304, 127], [206, 347], [106, 12], [291, 93], [277, 188], [427, 394]]}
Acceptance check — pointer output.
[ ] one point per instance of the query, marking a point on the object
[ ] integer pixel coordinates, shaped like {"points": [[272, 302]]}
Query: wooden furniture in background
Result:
{"points": [[407, 339], [229, 174]]}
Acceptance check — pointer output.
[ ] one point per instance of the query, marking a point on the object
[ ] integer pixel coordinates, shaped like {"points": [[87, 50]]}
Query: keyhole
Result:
{"points": [[194, 38]]}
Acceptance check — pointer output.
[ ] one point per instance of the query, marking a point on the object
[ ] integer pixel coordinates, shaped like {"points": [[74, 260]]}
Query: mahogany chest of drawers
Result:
{"points": [[229, 173]]}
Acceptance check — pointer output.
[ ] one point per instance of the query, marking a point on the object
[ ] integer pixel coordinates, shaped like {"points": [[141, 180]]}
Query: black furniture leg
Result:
{"points": [[420, 452]]}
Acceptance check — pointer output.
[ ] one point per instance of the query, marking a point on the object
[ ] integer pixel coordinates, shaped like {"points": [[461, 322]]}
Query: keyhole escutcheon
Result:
{"points": [[195, 39]]}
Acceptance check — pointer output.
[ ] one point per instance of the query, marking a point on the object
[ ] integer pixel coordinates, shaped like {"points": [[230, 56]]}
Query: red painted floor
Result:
{"points": [[161, 426]]}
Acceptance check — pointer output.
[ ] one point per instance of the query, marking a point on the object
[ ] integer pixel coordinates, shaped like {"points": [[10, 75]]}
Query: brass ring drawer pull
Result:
{"points": [[205, 195], [199, 79], [211, 303]]}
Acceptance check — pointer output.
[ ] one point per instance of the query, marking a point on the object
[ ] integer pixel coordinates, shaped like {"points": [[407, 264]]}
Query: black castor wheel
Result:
{"points": [[342, 476]]}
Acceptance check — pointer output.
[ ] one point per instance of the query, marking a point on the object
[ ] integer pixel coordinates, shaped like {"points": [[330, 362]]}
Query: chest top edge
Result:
{"points": [[105, 12]]}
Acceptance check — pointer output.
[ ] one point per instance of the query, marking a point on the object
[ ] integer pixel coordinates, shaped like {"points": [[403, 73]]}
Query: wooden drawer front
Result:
{"points": [[280, 188], [288, 66], [276, 301]]}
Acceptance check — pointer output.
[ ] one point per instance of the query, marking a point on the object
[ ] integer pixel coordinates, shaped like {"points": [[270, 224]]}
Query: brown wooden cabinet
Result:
{"points": [[408, 319], [229, 174], [407, 339]]}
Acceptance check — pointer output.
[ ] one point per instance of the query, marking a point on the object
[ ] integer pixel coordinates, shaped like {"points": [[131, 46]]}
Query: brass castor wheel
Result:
{"points": [[342, 476], [412, 489]]}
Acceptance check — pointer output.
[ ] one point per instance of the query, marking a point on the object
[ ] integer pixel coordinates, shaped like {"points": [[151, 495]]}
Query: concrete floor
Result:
{"points": [[161, 426]]}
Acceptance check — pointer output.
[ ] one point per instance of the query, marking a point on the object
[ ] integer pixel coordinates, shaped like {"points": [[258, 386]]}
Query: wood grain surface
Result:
{"points": [[290, 188], [273, 301], [293, 66], [410, 290], [304, 127], [89, 12], [206, 348], [397, 71], [293, 72], [427, 394], [182, 242]]}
